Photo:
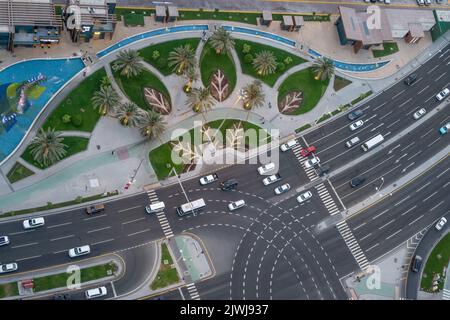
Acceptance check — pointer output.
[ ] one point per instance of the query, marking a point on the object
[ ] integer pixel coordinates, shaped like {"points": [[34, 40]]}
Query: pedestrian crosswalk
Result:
{"points": [[193, 291], [352, 244], [327, 199], [310, 172], [161, 215], [446, 294]]}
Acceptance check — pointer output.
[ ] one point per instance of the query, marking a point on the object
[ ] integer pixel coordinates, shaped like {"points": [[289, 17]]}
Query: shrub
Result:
{"points": [[66, 118], [248, 58], [287, 60], [77, 120], [246, 48], [79, 199], [49, 205], [281, 66], [161, 63], [155, 55]]}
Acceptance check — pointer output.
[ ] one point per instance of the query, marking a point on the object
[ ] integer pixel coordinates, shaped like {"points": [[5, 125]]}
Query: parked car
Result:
{"points": [[65, 296], [387, 1], [416, 263], [288, 145], [419, 113], [357, 181], [229, 184], [4, 240], [96, 292], [271, 179], [441, 95], [282, 189], [420, 2], [236, 205], [8, 267], [356, 125], [304, 196], [427, 2], [306, 152], [355, 115], [312, 162], [440, 224], [445, 128], [266, 168], [33, 223], [410, 79], [353, 141], [95, 208], [208, 179], [79, 251]]}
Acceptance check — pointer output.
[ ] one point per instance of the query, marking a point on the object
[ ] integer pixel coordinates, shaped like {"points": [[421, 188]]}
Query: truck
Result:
{"points": [[369, 144], [95, 208], [208, 179]]}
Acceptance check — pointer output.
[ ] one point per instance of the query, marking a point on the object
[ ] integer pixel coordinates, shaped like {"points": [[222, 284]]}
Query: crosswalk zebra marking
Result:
{"points": [[352, 244]]}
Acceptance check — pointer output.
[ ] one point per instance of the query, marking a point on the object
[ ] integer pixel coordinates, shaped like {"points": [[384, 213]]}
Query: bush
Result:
{"points": [[248, 58], [246, 48], [162, 62], [79, 199], [281, 66], [77, 120], [155, 55], [287, 60], [66, 118]]}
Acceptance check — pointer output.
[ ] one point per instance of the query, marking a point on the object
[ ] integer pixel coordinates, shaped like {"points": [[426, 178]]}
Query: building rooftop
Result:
{"points": [[416, 30], [94, 12], [287, 21], [173, 11], [298, 20], [401, 19], [160, 11], [267, 15]]}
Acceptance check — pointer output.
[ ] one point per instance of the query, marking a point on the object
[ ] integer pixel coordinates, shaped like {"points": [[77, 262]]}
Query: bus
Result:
{"points": [[191, 207], [369, 144]]}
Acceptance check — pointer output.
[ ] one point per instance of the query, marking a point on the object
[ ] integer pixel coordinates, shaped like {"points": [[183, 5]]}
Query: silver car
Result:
{"points": [[8, 267]]}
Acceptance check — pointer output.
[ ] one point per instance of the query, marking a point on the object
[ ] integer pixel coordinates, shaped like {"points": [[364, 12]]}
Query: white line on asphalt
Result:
{"points": [[445, 185], [392, 150], [437, 205], [412, 208], [393, 123], [415, 220], [128, 209], [378, 126], [427, 133], [135, 233], [432, 69], [409, 145], [95, 217], [375, 245], [396, 95], [376, 108], [414, 155], [24, 245], [362, 224], [433, 194], [424, 88], [59, 225], [131, 221], [386, 115], [418, 80], [65, 237], [407, 167], [387, 238], [366, 236], [424, 186], [374, 217], [384, 225], [404, 199], [96, 230], [27, 258], [434, 141], [60, 251], [435, 80], [443, 172], [104, 241], [430, 98], [20, 232], [401, 105], [333, 132]]}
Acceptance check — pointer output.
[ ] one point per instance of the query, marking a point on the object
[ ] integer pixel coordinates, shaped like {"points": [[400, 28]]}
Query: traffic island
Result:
{"points": [[167, 274], [435, 270]]}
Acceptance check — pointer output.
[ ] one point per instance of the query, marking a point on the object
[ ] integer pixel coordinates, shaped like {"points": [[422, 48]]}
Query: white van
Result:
{"points": [[96, 292], [236, 205], [352, 142], [155, 207]]}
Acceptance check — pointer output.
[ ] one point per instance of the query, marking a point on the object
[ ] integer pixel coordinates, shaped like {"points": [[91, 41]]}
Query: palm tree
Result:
{"points": [[129, 114], [182, 58], [200, 100], [129, 63], [191, 75], [265, 62], [323, 68], [222, 41], [47, 147], [106, 99], [254, 96], [152, 124], [105, 81]]}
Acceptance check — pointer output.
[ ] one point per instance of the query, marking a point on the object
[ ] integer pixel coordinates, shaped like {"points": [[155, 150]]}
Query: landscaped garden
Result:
{"points": [[18, 172], [167, 274], [133, 19], [340, 83], [388, 48], [9, 290], [435, 265]]}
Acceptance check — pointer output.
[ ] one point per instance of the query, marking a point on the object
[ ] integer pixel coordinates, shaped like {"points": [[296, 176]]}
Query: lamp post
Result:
{"points": [[379, 188], [182, 188]]}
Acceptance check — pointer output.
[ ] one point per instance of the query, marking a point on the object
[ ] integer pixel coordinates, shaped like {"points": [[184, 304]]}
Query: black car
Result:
{"points": [[410, 79], [416, 264], [65, 296], [323, 170], [357, 181], [229, 184], [355, 115]]}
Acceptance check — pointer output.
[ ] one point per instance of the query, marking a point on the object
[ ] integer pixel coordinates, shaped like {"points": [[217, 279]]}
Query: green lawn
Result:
{"points": [[280, 55], [361, 97], [340, 83], [210, 61], [166, 274], [18, 172], [164, 49], [60, 280], [133, 19], [438, 259], [9, 290], [78, 102], [124, 11], [389, 48], [304, 81], [302, 128], [74, 145], [134, 87]]}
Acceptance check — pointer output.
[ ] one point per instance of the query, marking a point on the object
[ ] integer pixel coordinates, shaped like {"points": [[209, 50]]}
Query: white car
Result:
{"points": [[312, 162], [266, 168], [304, 196], [33, 223], [96, 292], [8, 267], [288, 145], [271, 179], [420, 2], [441, 95], [419, 113], [236, 205], [282, 189], [4, 240], [208, 179], [79, 251], [442, 221], [427, 2], [356, 125], [387, 1]]}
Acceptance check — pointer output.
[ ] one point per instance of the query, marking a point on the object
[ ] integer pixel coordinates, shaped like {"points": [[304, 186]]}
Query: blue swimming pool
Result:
{"points": [[260, 33], [149, 34], [353, 67], [56, 72]]}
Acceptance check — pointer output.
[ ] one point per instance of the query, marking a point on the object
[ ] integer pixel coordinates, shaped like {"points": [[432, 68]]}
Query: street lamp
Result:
{"points": [[379, 188], [182, 189]]}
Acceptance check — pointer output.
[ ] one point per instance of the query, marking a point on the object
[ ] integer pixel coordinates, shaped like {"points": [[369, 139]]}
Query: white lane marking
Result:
{"points": [[414, 221], [20, 232], [409, 210], [387, 238], [384, 225], [430, 98], [432, 69], [386, 115], [59, 225], [426, 133], [95, 217], [424, 186], [407, 167], [401, 105], [28, 258], [65, 237], [393, 123], [100, 229], [445, 185], [438, 78], [128, 209], [60, 251], [138, 232], [376, 108], [434, 141], [404, 199], [431, 195], [25, 245], [131, 221], [437, 205], [443, 172], [396, 95], [374, 217], [424, 88], [375, 245], [99, 242], [366, 236], [409, 145], [362, 224], [413, 156]]}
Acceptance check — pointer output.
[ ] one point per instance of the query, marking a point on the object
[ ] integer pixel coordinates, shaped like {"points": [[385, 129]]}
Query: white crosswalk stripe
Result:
{"points": [[446, 294], [193, 291], [352, 244], [327, 199], [165, 226]]}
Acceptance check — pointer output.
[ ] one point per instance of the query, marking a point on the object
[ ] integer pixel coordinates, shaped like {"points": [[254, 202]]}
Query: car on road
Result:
{"points": [[445, 128], [416, 263], [266, 168], [282, 189], [288, 145], [236, 205], [229, 184], [208, 179], [306, 152], [427, 2], [79, 251], [420, 2], [8, 267], [419, 113], [322, 170], [96, 292], [353, 141], [95, 208], [357, 181], [304, 196], [441, 223], [410, 79], [312, 162], [441, 95], [4, 240], [155, 207], [33, 223], [355, 115], [65, 296], [271, 179], [356, 125]]}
